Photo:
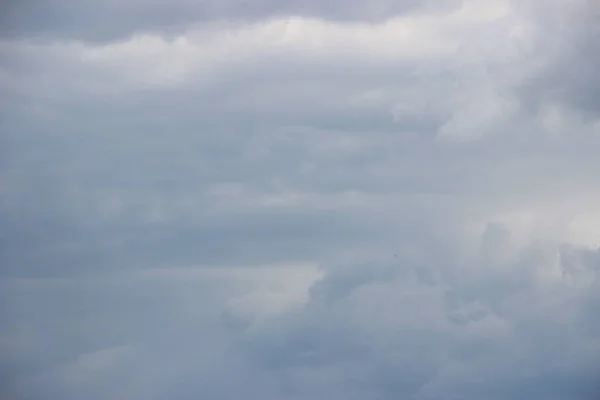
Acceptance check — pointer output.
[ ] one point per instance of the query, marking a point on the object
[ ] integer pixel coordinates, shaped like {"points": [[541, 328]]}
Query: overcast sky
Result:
{"points": [[299, 200]]}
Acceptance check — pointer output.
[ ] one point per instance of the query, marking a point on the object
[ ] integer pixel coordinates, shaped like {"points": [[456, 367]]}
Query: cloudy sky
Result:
{"points": [[299, 200]]}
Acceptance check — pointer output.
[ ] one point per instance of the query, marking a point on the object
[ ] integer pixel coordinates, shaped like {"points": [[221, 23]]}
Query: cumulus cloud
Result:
{"points": [[299, 201]]}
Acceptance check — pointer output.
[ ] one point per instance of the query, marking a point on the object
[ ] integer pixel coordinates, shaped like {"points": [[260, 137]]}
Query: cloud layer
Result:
{"points": [[284, 200]]}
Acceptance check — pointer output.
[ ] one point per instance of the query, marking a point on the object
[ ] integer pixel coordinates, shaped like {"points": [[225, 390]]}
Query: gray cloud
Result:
{"points": [[300, 208], [109, 20]]}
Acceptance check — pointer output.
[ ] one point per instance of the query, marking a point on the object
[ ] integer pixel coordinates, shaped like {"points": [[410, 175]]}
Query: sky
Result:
{"points": [[300, 200]]}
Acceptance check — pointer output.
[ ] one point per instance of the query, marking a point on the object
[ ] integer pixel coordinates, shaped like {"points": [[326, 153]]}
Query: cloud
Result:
{"points": [[110, 20], [298, 201]]}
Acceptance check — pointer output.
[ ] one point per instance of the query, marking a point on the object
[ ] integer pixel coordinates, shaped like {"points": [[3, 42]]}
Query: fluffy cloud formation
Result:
{"points": [[291, 201]]}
